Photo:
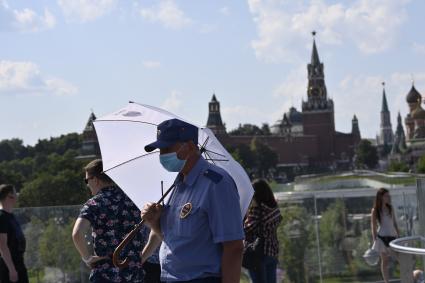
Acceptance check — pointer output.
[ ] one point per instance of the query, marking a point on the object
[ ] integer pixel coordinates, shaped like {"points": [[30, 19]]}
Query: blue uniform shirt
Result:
{"points": [[192, 245]]}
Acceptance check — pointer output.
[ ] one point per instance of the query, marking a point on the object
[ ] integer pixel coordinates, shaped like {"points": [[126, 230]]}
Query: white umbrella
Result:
{"points": [[122, 137]]}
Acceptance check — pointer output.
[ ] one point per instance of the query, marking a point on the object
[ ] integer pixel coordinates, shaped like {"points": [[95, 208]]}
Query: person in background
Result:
{"points": [[418, 276], [383, 215], [12, 240], [110, 215], [263, 219]]}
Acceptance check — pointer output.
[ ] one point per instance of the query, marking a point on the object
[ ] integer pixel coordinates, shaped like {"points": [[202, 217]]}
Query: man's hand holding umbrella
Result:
{"points": [[151, 213]]}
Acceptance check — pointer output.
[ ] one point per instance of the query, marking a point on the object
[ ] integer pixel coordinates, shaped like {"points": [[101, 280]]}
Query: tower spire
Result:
{"points": [[316, 88], [386, 137], [214, 121], [314, 54], [384, 107]]}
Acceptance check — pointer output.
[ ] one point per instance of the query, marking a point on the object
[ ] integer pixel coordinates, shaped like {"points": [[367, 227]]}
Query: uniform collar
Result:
{"points": [[199, 167]]}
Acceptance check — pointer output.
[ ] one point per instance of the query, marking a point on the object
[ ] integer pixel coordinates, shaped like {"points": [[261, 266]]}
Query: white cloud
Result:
{"points": [[86, 10], [235, 115], [208, 28], [282, 26], [25, 20], [26, 78], [168, 14], [362, 95], [294, 86], [225, 11], [419, 48], [173, 102], [152, 64], [292, 91]]}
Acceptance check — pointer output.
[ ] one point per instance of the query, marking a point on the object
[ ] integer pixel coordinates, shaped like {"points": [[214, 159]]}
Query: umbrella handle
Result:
{"points": [[116, 255]]}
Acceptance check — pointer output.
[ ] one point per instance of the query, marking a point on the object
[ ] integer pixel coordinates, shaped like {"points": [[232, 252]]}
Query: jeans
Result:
{"points": [[267, 273]]}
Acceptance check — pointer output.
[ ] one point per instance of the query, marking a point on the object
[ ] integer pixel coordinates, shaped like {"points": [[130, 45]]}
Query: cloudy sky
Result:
{"points": [[60, 59]]}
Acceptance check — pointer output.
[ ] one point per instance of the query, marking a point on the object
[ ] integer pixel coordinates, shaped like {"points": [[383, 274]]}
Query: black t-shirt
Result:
{"points": [[15, 238]]}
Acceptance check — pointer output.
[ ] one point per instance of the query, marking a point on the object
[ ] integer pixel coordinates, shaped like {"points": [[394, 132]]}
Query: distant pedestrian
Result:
{"points": [[383, 215], [12, 240], [262, 221], [110, 215], [418, 276]]}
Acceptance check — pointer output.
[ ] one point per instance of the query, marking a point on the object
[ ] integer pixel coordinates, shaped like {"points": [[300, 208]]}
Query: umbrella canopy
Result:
{"points": [[122, 137]]}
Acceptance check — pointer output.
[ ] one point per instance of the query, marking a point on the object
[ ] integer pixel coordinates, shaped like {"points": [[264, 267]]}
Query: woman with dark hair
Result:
{"points": [[262, 220], [382, 215], [12, 240]]}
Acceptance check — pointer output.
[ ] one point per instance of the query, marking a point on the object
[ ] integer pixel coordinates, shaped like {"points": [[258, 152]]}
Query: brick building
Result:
{"points": [[302, 140]]}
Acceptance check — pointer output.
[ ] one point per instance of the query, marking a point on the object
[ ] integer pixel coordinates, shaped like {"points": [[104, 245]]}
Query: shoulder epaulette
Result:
{"points": [[213, 175]]}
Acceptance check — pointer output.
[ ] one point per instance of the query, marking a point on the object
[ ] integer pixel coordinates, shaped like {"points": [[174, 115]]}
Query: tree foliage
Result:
{"points": [[266, 158], [243, 154], [398, 166], [420, 167], [56, 246], [65, 187], [257, 159], [294, 241], [366, 155], [251, 130], [332, 225], [45, 174]]}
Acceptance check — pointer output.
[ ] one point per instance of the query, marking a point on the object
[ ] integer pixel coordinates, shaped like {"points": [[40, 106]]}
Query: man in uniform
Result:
{"points": [[201, 225]]}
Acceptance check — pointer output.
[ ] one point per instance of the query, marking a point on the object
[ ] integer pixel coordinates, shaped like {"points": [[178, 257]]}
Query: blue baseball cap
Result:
{"points": [[173, 131]]}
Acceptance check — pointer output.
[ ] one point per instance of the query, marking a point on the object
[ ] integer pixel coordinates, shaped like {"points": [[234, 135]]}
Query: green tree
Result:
{"points": [[33, 261], [6, 151], [332, 225], [65, 188], [332, 234], [367, 155], [56, 247], [247, 130], [266, 158], [243, 154], [398, 166], [265, 129], [294, 241], [12, 149], [58, 145], [420, 167]]}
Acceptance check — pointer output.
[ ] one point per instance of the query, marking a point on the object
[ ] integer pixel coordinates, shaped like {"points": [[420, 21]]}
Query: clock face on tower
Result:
{"points": [[315, 92]]}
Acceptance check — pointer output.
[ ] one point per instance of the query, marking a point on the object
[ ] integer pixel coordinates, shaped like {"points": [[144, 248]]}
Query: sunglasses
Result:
{"points": [[86, 180]]}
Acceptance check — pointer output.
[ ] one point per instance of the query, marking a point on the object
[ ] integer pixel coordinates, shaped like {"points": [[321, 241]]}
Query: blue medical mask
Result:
{"points": [[171, 162]]}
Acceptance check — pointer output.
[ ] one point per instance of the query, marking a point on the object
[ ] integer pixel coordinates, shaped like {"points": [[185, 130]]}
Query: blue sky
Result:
{"points": [[60, 59]]}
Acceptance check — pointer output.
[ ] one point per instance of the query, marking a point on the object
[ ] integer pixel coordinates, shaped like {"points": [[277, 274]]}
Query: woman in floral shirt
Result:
{"points": [[111, 215]]}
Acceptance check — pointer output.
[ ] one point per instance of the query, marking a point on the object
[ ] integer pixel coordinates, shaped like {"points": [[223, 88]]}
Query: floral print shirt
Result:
{"points": [[112, 216]]}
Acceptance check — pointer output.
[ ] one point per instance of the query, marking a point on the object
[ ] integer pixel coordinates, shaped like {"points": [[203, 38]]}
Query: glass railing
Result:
{"points": [[50, 255], [322, 238], [324, 235]]}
